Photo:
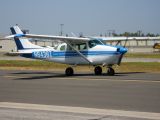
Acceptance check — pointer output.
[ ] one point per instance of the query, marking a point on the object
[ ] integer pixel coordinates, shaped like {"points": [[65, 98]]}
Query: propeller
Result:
{"points": [[123, 50]]}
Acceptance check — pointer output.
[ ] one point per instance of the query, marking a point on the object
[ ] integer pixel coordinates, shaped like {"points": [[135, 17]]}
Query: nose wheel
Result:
{"points": [[111, 71], [69, 71], [98, 70]]}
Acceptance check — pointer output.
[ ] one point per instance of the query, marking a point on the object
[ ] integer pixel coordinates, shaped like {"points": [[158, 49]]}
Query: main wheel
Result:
{"points": [[69, 71], [98, 70], [110, 71]]}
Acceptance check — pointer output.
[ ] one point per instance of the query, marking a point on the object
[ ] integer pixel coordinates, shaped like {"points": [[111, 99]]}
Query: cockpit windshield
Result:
{"points": [[93, 43]]}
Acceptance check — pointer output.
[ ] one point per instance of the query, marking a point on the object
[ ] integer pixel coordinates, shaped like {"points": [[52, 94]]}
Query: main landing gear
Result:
{"points": [[69, 71], [110, 71], [98, 71]]}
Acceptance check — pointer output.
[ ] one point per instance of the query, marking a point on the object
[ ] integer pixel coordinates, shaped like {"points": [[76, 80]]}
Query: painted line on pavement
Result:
{"points": [[113, 80], [134, 114]]}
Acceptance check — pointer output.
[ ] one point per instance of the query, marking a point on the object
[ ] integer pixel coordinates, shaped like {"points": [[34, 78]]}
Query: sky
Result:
{"points": [[90, 17]]}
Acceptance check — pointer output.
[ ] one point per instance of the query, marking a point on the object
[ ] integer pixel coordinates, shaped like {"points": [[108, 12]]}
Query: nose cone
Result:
{"points": [[123, 50]]}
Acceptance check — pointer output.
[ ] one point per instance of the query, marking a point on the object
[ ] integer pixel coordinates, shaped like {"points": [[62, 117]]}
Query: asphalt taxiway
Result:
{"points": [[124, 91]]}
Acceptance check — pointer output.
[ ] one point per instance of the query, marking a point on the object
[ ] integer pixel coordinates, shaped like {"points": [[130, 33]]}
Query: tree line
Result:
{"points": [[136, 34]]}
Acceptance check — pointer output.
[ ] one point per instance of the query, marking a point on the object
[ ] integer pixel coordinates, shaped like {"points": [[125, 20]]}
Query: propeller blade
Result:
{"points": [[120, 59]]}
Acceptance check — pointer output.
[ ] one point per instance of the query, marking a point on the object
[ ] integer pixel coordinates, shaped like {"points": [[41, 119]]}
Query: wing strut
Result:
{"points": [[90, 62]]}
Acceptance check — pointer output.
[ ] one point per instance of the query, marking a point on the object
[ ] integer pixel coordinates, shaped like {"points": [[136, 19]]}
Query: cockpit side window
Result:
{"points": [[81, 46]]}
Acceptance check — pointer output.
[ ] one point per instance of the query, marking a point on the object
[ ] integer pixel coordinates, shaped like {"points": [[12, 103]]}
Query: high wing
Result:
{"points": [[80, 39], [49, 38], [56, 37]]}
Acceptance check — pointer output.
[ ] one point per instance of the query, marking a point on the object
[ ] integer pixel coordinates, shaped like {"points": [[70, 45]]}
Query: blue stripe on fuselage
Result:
{"points": [[52, 54]]}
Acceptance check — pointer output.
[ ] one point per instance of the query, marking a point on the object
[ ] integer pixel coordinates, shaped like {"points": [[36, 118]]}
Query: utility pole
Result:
{"points": [[61, 33], [111, 33], [139, 33]]}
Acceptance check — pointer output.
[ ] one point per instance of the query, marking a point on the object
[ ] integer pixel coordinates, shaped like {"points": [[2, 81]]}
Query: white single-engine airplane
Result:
{"points": [[73, 50]]}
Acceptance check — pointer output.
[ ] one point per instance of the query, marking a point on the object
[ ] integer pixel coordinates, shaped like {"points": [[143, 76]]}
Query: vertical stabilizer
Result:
{"points": [[22, 43]]}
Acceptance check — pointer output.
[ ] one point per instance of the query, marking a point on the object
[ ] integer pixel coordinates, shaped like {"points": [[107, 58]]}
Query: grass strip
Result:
{"points": [[142, 55], [44, 65]]}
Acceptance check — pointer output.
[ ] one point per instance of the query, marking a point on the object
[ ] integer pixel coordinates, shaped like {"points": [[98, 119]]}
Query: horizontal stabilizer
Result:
{"points": [[15, 35], [18, 53]]}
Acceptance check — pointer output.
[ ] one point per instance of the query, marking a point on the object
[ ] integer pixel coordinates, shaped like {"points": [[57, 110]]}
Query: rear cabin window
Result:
{"points": [[62, 48]]}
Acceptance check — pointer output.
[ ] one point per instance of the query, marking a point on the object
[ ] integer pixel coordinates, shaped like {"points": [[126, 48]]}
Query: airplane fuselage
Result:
{"points": [[98, 55]]}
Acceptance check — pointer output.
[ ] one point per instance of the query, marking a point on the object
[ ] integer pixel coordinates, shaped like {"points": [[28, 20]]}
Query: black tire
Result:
{"points": [[69, 71], [98, 70], [111, 72]]}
